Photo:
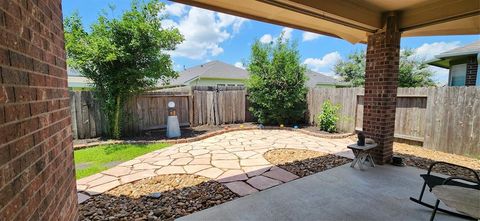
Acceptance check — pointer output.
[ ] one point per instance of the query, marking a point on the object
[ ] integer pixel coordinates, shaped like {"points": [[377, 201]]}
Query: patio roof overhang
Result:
{"points": [[354, 20]]}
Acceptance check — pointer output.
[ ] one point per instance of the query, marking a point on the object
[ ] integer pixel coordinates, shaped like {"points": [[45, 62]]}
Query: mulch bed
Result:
{"points": [[304, 162], [180, 195], [420, 157], [316, 130]]}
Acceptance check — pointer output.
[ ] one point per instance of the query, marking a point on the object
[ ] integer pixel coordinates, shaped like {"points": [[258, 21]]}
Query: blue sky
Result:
{"points": [[215, 36]]}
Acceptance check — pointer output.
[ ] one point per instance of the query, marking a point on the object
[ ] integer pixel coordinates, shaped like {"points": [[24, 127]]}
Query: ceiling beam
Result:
{"points": [[437, 12], [352, 11]]}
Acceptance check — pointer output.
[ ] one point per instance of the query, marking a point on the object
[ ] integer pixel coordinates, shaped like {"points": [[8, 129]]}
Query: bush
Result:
{"points": [[276, 86], [327, 119]]}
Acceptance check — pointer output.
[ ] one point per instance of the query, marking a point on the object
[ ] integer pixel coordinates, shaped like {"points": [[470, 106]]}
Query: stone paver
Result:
{"points": [[81, 197], [226, 164], [210, 173], [261, 182], [234, 159], [280, 174], [241, 188], [232, 175]]}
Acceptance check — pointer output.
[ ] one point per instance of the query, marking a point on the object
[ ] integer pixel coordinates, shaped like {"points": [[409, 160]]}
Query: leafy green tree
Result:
{"points": [[328, 118], [122, 56], [413, 71], [276, 85]]}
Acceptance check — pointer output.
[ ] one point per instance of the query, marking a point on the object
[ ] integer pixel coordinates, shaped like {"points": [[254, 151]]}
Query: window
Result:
{"points": [[220, 85], [458, 74], [231, 84]]}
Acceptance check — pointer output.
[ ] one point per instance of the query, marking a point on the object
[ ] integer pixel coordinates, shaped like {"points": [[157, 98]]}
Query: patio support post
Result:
{"points": [[381, 82]]}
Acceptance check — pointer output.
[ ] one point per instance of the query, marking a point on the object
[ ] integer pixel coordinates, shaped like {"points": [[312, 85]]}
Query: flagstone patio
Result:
{"points": [[235, 159]]}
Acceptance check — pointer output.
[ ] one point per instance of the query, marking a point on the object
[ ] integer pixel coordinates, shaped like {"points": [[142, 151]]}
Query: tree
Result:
{"points": [[413, 71], [122, 56], [276, 85]]}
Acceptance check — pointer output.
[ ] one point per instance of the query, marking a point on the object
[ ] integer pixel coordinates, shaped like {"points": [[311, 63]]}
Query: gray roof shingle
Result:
{"points": [[218, 69]]}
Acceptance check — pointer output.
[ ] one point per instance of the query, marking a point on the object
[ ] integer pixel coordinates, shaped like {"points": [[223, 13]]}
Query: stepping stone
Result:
{"points": [[254, 162], [226, 164], [145, 166], [261, 182], [81, 197], [102, 180], [137, 176], [255, 170], [181, 161], [232, 175], [180, 155], [219, 151], [210, 173], [81, 187], [170, 170], [165, 162], [199, 152], [130, 163], [195, 168], [241, 188], [245, 154], [224, 156], [117, 171], [87, 179], [198, 161], [280, 174], [102, 188]]}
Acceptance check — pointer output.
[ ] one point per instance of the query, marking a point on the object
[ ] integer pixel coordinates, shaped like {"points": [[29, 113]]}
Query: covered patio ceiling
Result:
{"points": [[354, 20]]}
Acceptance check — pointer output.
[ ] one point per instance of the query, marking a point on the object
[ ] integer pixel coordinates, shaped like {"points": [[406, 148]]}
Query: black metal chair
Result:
{"points": [[431, 181]]}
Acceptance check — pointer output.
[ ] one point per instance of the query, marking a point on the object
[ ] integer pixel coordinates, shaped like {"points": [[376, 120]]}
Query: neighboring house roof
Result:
{"points": [[221, 70], [75, 79], [442, 59], [213, 69]]}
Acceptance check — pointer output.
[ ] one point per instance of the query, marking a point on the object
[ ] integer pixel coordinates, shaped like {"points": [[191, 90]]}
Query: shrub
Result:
{"points": [[276, 86], [327, 119]]}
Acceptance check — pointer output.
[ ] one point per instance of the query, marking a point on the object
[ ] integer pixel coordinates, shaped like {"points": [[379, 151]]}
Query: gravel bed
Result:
{"points": [[420, 157], [304, 162], [180, 195]]}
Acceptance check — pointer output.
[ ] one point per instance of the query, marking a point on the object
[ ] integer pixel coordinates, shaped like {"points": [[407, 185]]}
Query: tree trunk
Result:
{"points": [[116, 120]]}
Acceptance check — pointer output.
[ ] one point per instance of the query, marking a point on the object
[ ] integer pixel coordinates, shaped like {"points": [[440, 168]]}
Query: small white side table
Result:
{"points": [[362, 154]]}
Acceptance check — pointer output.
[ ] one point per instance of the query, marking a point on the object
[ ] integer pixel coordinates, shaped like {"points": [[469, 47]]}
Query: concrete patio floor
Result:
{"points": [[341, 193]]}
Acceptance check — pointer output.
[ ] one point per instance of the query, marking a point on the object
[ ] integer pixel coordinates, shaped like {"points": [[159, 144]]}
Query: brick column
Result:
{"points": [[471, 75], [37, 175], [381, 81]]}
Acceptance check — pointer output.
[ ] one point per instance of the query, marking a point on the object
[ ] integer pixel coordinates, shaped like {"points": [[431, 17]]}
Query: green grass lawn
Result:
{"points": [[96, 159]]}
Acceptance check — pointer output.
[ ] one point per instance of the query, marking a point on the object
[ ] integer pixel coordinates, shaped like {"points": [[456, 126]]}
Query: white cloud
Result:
{"points": [[309, 36], [428, 51], [287, 32], [323, 64], [176, 9], [266, 39], [204, 32], [239, 64]]}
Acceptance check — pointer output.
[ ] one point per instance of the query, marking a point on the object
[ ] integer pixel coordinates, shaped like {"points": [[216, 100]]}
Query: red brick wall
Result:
{"points": [[381, 81], [36, 154], [472, 67]]}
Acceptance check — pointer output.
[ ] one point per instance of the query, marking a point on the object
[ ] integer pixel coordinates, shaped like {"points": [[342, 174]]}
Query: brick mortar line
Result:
{"points": [[30, 118], [33, 101], [33, 164], [44, 183], [36, 8], [33, 86], [33, 57], [208, 135], [33, 132], [32, 71], [30, 15]]}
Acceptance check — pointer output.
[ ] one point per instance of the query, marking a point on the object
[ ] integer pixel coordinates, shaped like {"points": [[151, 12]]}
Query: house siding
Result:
{"points": [[472, 70]]}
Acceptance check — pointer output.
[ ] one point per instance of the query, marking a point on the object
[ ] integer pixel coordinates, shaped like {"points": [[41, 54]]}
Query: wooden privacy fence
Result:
{"points": [[218, 105], [444, 118], [148, 111]]}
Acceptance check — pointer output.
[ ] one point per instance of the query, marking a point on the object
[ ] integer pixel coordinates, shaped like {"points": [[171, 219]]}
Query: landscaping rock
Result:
{"points": [[180, 195]]}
